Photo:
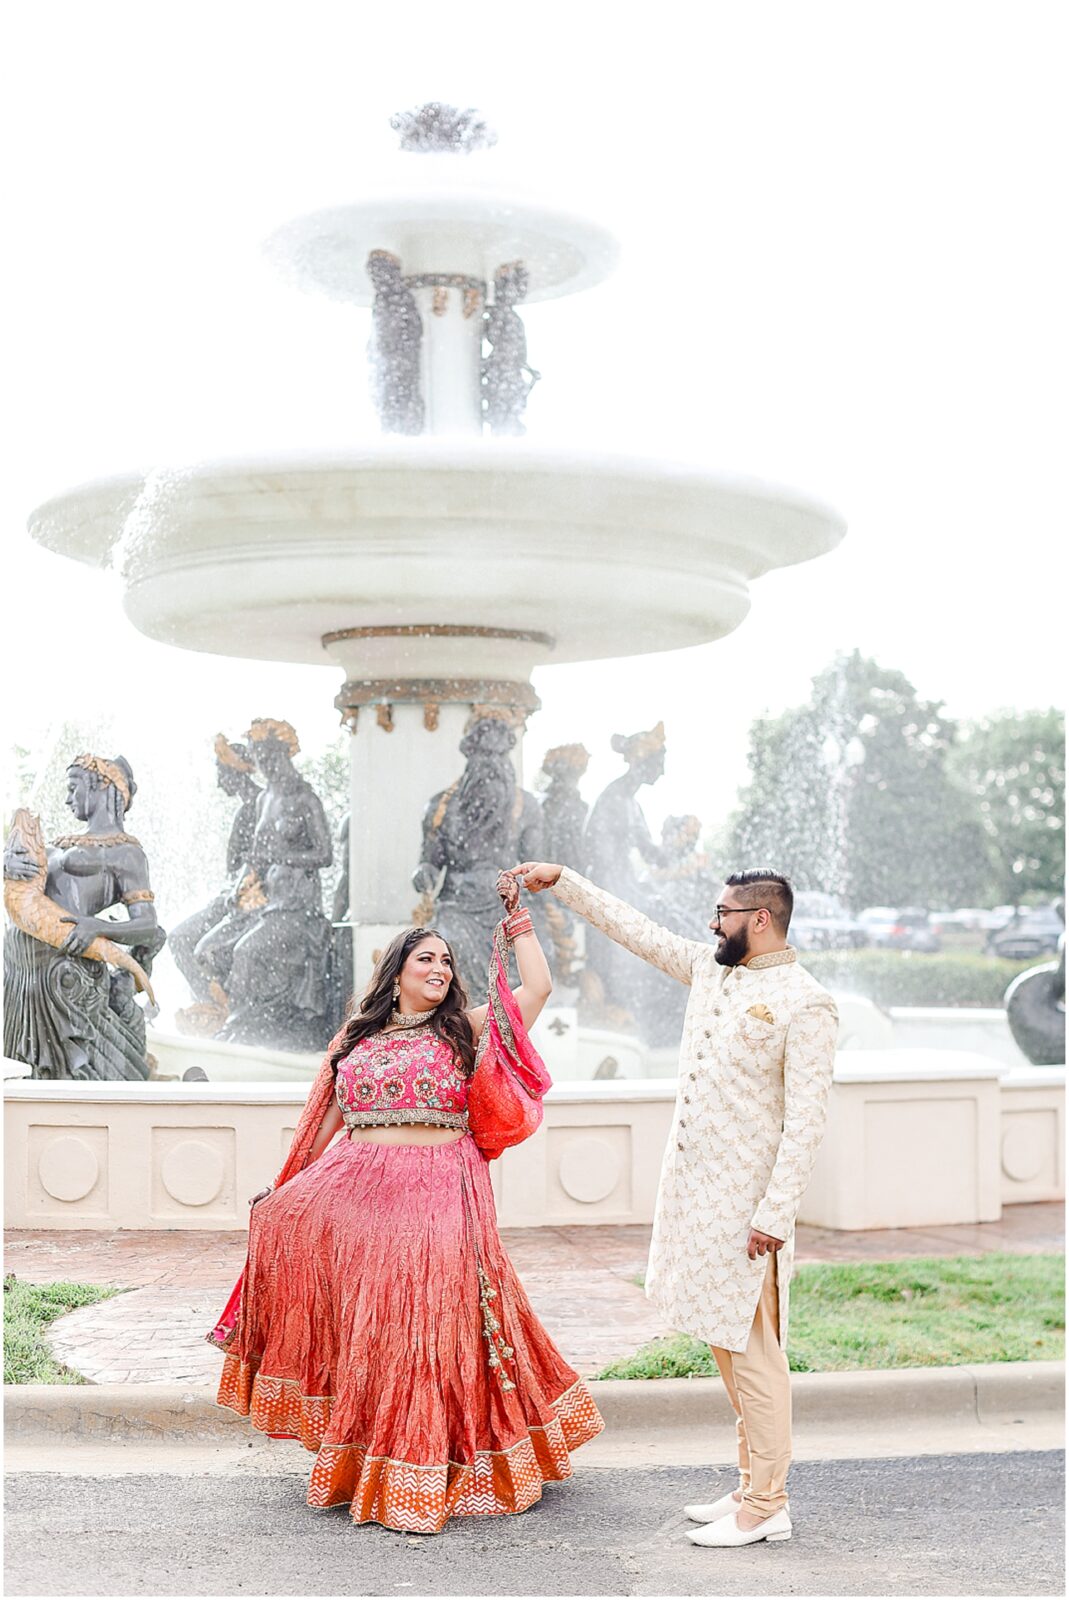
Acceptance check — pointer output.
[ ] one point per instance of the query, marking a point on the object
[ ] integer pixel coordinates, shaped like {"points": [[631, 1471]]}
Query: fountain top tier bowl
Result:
{"points": [[438, 550], [475, 230], [445, 202], [586, 556]]}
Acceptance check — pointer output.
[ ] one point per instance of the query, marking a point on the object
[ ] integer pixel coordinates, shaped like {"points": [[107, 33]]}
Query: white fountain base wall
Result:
{"points": [[915, 1139]]}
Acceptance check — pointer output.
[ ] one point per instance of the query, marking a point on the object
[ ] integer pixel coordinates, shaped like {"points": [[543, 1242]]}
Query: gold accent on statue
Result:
{"points": [[108, 770], [565, 954], [443, 805], [227, 756], [508, 698], [636, 746], [431, 713], [423, 910], [384, 716], [473, 299], [31, 909], [440, 301], [250, 895], [438, 630], [69, 841], [136, 896], [274, 728], [205, 1018], [574, 756]]}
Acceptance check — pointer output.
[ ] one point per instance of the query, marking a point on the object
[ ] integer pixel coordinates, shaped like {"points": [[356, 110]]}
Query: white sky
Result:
{"points": [[842, 269]]}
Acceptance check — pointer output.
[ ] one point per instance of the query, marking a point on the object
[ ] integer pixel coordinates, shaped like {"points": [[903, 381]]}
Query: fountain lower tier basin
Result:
{"points": [[589, 557]]}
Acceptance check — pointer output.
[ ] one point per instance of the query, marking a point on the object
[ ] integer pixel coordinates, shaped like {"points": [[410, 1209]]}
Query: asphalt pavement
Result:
{"points": [[977, 1524]]}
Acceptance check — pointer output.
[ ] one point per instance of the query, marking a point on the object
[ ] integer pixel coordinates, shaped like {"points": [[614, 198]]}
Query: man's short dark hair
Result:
{"points": [[769, 889]]}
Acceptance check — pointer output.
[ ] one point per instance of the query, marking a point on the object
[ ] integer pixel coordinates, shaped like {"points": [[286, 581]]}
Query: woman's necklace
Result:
{"points": [[410, 1019]]}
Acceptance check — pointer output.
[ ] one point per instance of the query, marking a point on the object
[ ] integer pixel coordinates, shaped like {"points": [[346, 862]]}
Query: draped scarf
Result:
{"points": [[316, 1107]]}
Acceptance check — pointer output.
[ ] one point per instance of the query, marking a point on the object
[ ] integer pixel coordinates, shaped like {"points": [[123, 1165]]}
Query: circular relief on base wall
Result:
{"points": [[1023, 1149], [192, 1172], [68, 1168], [589, 1170]]}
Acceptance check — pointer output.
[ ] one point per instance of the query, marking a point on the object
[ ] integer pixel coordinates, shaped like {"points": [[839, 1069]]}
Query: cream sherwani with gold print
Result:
{"points": [[755, 1070]]}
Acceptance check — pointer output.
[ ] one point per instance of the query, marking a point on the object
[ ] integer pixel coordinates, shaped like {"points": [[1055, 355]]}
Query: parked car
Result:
{"points": [[908, 929], [1034, 932], [969, 919], [821, 922]]}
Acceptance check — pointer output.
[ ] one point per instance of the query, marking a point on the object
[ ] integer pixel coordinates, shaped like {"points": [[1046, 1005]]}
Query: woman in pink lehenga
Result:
{"points": [[380, 1321]]}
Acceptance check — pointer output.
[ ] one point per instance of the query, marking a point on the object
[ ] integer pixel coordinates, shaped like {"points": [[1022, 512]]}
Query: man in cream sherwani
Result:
{"points": [[755, 1068]]}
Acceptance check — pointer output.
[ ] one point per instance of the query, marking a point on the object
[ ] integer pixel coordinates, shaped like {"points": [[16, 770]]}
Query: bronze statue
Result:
{"points": [[685, 883], [564, 813], [66, 1013], [341, 963], [615, 983], [480, 822], [394, 347], [270, 953], [438, 129], [1035, 1009], [507, 377], [234, 776]]}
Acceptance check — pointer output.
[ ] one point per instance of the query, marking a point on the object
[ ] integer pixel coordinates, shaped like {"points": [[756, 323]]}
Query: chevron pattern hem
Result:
{"points": [[408, 1496]]}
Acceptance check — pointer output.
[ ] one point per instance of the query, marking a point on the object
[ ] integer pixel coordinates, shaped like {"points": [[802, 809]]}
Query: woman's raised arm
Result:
{"points": [[536, 982]]}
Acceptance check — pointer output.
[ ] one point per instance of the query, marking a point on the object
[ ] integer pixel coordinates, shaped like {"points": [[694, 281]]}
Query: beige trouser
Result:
{"points": [[759, 1388]]}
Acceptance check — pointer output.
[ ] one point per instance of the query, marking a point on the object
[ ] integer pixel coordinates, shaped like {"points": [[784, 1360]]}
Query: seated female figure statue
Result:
{"points": [[270, 954], [66, 1015]]}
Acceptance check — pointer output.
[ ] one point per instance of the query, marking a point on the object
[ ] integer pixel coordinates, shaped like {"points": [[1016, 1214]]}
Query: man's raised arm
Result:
{"points": [[636, 932]]}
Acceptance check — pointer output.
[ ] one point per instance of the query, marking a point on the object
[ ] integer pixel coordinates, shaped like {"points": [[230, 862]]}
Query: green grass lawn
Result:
{"points": [[28, 1309], [927, 1312]]}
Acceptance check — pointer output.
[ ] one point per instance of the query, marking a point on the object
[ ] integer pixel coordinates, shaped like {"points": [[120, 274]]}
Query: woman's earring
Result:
{"points": [[396, 992]]}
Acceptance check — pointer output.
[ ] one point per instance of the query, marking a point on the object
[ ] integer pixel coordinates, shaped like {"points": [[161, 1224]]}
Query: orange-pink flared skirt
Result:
{"points": [[383, 1325]]}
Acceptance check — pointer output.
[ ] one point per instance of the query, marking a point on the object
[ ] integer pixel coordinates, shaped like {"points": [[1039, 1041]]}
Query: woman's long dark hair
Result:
{"points": [[373, 1012]]}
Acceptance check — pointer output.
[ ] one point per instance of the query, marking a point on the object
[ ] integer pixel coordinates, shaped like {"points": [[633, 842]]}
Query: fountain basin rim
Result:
{"points": [[325, 251], [85, 521]]}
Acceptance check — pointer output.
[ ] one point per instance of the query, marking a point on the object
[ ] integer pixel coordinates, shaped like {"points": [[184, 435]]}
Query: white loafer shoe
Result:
{"points": [[727, 1531], [726, 1506]]}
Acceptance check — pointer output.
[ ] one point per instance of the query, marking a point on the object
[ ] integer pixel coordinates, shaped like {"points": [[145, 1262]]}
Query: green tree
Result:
{"points": [[852, 793], [1013, 765]]}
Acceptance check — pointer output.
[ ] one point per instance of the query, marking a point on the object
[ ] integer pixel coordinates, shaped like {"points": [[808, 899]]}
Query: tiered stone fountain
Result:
{"points": [[436, 570]]}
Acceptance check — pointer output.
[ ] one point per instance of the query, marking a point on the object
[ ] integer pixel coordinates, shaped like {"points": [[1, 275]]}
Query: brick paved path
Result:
{"points": [[581, 1282]]}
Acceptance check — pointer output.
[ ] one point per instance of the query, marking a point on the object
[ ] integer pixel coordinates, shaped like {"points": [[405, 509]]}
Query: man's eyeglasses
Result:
{"points": [[727, 911]]}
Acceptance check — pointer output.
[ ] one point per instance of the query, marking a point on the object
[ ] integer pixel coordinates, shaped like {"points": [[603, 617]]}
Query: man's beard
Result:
{"points": [[733, 948]]}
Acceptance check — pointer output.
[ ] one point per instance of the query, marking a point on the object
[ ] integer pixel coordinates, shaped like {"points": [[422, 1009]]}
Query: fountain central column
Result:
{"points": [[408, 694]]}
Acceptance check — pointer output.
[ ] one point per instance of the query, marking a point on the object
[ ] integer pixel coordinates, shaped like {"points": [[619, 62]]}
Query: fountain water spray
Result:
{"points": [[550, 556]]}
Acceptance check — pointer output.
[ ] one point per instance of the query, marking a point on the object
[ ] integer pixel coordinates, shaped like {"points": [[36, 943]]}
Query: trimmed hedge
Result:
{"points": [[907, 978]]}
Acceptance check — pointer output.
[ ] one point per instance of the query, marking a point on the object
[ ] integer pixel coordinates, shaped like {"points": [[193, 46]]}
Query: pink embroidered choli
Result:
{"points": [[394, 1078]]}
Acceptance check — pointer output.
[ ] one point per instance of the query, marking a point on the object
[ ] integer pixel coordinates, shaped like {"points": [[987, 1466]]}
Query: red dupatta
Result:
{"points": [[311, 1119], [505, 1096]]}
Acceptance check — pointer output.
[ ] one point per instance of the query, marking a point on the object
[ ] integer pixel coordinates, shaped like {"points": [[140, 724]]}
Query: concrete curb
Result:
{"points": [[975, 1396]]}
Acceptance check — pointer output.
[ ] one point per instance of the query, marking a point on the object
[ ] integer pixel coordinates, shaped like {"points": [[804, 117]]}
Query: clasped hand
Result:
{"points": [[508, 887], [759, 1244]]}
